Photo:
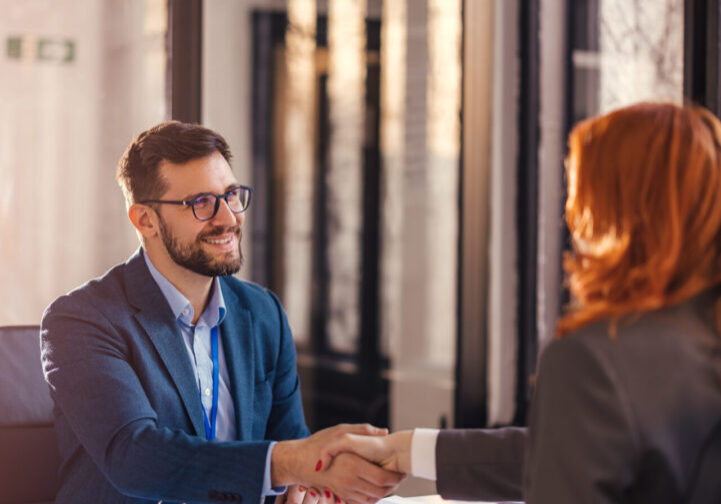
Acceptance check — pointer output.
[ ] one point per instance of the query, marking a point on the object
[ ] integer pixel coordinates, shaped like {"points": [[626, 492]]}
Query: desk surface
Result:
{"points": [[428, 499]]}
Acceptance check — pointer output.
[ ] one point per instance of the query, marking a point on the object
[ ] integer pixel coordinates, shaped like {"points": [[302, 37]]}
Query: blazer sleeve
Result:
{"points": [[480, 464], [286, 420], [581, 443], [87, 366]]}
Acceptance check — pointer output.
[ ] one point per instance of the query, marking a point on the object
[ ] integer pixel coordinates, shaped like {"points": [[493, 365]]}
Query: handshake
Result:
{"points": [[355, 464]]}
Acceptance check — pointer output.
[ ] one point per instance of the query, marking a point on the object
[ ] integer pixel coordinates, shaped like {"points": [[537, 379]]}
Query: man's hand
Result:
{"points": [[392, 452], [347, 476]]}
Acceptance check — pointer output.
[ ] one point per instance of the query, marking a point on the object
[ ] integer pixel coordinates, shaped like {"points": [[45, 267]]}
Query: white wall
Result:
{"points": [[64, 126]]}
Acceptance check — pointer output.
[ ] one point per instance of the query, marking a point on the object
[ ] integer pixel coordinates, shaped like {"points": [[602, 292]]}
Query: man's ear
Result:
{"points": [[144, 219]]}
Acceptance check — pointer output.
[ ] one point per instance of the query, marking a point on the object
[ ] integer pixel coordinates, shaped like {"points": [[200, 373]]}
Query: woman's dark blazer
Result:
{"points": [[614, 419]]}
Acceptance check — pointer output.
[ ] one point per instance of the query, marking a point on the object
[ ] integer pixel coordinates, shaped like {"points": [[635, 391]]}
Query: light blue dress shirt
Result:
{"points": [[197, 343]]}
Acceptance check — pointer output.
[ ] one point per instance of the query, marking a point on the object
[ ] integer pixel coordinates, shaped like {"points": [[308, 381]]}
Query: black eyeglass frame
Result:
{"points": [[218, 197]]}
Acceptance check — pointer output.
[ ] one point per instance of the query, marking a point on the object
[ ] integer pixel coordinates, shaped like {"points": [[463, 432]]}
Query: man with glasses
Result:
{"points": [[173, 380]]}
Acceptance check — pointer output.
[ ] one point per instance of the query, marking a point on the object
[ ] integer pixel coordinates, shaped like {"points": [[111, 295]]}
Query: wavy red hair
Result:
{"points": [[643, 210]]}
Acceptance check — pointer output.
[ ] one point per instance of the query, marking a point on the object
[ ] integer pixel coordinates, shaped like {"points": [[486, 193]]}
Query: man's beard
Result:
{"points": [[193, 257]]}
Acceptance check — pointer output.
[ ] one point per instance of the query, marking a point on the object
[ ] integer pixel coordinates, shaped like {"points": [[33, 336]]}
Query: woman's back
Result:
{"points": [[625, 418]]}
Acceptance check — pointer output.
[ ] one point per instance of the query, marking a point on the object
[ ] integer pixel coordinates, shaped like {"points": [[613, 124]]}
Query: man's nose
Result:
{"points": [[225, 216]]}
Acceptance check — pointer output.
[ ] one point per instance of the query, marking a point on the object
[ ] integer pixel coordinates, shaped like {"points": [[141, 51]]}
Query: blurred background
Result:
{"points": [[406, 156]]}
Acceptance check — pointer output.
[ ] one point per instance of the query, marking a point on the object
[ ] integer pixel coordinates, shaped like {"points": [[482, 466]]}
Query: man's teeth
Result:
{"points": [[220, 241]]}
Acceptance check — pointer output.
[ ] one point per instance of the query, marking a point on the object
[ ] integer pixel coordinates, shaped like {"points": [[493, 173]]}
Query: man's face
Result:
{"points": [[209, 248]]}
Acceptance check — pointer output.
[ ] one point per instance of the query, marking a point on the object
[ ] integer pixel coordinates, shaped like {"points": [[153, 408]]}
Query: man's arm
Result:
{"points": [[293, 462], [286, 419]]}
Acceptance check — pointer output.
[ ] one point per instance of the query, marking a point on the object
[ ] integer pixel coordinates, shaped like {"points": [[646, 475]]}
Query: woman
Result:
{"points": [[629, 395]]}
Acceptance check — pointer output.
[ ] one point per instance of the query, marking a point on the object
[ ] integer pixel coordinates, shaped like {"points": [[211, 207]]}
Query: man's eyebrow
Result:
{"points": [[191, 197]]}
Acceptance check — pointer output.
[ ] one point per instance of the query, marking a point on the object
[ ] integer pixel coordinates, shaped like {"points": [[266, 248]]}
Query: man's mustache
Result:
{"points": [[219, 231]]}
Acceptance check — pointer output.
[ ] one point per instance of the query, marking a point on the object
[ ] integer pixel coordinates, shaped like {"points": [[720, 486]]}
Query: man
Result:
{"points": [[171, 378]]}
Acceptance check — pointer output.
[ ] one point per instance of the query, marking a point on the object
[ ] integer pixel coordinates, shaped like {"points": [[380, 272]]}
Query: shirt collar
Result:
{"points": [[180, 306]]}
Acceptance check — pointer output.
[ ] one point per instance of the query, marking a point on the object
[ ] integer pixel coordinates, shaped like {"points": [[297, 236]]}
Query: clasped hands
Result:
{"points": [[355, 464]]}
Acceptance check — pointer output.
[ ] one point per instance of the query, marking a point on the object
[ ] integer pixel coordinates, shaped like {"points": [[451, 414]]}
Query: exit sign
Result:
{"points": [[49, 49]]}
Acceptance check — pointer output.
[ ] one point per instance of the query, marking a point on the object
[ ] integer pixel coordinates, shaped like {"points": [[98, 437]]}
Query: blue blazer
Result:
{"points": [[128, 415]]}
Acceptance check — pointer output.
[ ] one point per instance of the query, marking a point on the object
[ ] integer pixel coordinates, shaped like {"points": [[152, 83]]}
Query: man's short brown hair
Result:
{"points": [[173, 141]]}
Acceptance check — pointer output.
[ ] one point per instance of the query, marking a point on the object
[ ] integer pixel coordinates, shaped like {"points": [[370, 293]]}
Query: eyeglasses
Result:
{"points": [[206, 205]]}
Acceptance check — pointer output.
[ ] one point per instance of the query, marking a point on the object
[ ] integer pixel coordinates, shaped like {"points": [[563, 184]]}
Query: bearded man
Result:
{"points": [[172, 380]]}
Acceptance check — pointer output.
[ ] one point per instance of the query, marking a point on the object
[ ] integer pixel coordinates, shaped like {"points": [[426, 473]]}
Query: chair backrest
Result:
{"points": [[29, 457], [706, 484]]}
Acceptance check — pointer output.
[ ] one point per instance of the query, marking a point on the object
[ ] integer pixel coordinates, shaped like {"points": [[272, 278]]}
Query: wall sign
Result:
{"points": [[49, 49]]}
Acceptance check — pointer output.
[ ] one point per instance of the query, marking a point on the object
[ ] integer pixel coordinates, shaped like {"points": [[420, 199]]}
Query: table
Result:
{"points": [[430, 499]]}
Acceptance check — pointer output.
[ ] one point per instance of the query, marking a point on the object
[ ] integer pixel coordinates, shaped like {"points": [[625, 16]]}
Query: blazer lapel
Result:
{"points": [[238, 347], [157, 320]]}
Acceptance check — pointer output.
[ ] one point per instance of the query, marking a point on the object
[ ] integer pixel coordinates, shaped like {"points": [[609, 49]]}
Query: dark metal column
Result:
{"points": [[528, 127], [701, 79], [185, 39]]}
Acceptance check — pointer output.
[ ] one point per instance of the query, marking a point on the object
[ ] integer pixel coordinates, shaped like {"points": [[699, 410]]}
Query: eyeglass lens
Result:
{"points": [[205, 205]]}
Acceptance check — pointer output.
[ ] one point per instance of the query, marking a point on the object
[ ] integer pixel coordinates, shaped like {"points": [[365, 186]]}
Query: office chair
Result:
{"points": [[29, 457]]}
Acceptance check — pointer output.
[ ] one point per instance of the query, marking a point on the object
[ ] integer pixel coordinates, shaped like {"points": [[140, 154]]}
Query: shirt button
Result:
{"points": [[186, 311], [207, 391]]}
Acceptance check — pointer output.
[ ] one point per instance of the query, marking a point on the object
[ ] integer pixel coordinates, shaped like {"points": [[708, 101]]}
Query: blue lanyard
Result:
{"points": [[210, 425]]}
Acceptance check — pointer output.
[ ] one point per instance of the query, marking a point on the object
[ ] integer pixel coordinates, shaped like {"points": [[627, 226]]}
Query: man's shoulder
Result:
{"points": [[106, 290]]}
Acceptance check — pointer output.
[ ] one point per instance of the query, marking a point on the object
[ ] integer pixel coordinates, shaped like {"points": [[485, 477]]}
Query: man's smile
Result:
{"points": [[225, 240], [219, 241]]}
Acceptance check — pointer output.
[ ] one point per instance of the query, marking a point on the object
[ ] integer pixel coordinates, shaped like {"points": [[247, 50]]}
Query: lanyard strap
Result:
{"points": [[210, 425]]}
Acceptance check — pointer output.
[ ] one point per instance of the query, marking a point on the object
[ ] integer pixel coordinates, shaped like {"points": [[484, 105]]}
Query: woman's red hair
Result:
{"points": [[643, 210]]}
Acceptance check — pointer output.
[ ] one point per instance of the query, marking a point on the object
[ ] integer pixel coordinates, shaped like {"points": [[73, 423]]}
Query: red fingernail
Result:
{"points": [[318, 466], [312, 493], [327, 494], [302, 489], [337, 500]]}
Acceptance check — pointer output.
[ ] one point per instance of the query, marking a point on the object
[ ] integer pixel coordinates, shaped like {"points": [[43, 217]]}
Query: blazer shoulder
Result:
{"points": [[592, 351], [583, 360], [660, 334], [98, 294]]}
